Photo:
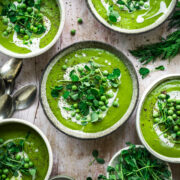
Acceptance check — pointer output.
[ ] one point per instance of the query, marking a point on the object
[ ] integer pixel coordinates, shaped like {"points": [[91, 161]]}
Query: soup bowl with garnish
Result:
{"points": [[89, 89], [30, 28], [158, 118], [132, 16], [25, 152]]}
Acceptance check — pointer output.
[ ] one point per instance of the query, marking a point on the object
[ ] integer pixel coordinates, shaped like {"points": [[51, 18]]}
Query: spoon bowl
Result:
{"points": [[2, 87]]}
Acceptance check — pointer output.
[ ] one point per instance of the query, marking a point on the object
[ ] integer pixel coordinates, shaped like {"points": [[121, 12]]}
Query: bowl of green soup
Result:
{"points": [[132, 16], [89, 89], [30, 28], [25, 152], [158, 118]]}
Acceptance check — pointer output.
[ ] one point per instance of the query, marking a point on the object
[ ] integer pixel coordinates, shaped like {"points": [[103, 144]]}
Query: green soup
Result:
{"points": [[108, 62], [50, 10], [34, 147], [135, 20], [157, 143]]}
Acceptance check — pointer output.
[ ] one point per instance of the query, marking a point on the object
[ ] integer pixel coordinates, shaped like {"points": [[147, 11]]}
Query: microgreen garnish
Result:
{"points": [[137, 163], [87, 91], [13, 159], [167, 115], [113, 15], [144, 72], [88, 178], [95, 154], [24, 17], [161, 68]]}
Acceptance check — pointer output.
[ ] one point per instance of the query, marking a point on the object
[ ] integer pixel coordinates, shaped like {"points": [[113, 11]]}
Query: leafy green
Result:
{"points": [[113, 15], [95, 154], [144, 72], [161, 68]]}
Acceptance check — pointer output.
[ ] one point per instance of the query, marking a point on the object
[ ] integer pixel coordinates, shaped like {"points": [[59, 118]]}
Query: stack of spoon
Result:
{"points": [[22, 99]]}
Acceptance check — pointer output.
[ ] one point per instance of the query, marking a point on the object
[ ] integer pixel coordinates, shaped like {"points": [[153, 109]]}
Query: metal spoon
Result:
{"points": [[10, 69], [9, 86], [2, 87], [21, 100]]}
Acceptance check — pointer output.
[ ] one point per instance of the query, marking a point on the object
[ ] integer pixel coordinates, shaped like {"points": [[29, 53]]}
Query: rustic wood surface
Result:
{"points": [[72, 156]]}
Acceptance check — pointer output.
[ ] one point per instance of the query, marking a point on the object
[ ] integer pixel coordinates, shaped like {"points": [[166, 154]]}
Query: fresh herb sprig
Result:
{"points": [[167, 117], [137, 163], [95, 154], [13, 161], [88, 91]]}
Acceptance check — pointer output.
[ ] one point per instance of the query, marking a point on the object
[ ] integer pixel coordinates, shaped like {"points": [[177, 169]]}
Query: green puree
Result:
{"points": [[49, 9], [128, 20], [146, 120], [40, 158], [100, 56]]}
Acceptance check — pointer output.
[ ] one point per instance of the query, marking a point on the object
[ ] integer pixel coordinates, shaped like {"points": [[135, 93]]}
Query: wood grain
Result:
{"points": [[72, 156]]}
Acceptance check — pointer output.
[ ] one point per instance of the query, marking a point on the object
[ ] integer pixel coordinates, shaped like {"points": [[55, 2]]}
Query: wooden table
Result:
{"points": [[72, 156]]}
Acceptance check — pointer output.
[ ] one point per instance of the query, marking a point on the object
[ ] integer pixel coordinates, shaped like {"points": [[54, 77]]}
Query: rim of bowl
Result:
{"points": [[62, 176], [137, 146], [44, 138], [79, 134], [155, 84], [156, 24], [46, 48]]}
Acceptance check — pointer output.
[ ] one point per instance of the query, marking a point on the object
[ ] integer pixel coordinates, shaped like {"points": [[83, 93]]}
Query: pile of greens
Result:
{"points": [[23, 17], [167, 117], [88, 91], [130, 5], [136, 164], [167, 48], [13, 161]]}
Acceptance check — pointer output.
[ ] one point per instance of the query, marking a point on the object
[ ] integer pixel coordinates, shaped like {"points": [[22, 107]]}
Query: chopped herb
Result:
{"points": [[144, 72], [112, 14], [161, 68]]}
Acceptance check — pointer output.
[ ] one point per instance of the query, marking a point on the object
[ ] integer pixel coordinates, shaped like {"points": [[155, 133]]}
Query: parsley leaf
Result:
{"points": [[144, 72]]}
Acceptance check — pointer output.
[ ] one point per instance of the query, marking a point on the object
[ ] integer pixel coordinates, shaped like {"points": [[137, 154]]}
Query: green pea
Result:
{"points": [[101, 103], [156, 120], [121, 7], [26, 159], [106, 102], [23, 6], [174, 116], [177, 101], [18, 157], [169, 118], [26, 165], [115, 104], [178, 133], [35, 29], [170, 104], [80, 69], [110, 94], [3, 176], [162, 96], [104, 79], [141, 3], [178, 113], [146, 6], [64, 67], [19, 6], [170, 100], [5, 171], [31, 164], [73, 114], [19, 1], [170, 112], [26, 37], [165, 135], [103, 108], [178, 107], [5, 20], [74, 87], [1, 141], [100, 117], [75, 105], [176, 128], [96, 71], [155, 114], [29, 9], [103, 98], [22, 31], [9, 29], [73, 32], [77, 110], [80, 21], [40, 26], [105, 73], [78, 117], [172, 108]]}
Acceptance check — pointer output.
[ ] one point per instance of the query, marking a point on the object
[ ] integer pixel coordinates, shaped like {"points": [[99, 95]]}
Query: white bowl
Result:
{"points": [[114, 159], [30, 125], [46, 48], [131, 31], [138, 128]]}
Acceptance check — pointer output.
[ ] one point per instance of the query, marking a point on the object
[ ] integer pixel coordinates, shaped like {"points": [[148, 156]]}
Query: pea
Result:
{"points": [[155, 114], [178, 113], [104, 79], [100, 117], [3, 176], [156, 120], [176, 128], [64, 67], [31, 164], [1, 140], [141, 3], [96, 71], [22, 31], [26, 165], [5, 21], [172, 108], [7, 179], [178, 133], [73, 114], [40, 15], [162, 96], [106, 102], [170, 112], [5, 171], [19, 6], [110, 94], [9, 29], [77, 110], [170, 104], [146, 6], [170, 100], [169, 118], [75, 105], [73, 32], [121, 7], [40, 26], [105, 73], [178, 107], [101, 103], [103, 98], [165, 135], [115, 104], [29, 9], [174, 116], [177, 101], [35, 29], [26, 37], [78, 117], [23, 6], [103, 108], [18, 157], [80, 21], [74, 87], [80, 69]]}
